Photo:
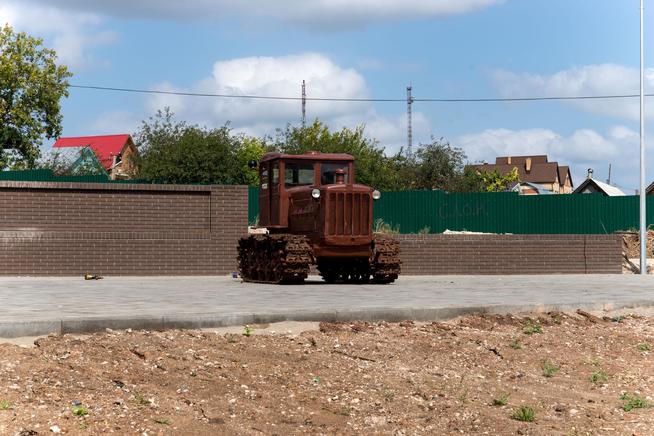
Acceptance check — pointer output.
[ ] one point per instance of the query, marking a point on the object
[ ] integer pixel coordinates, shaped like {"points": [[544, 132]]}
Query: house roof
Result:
{"points": [[564, 171], [520, 160], [650, 189], [541, 171], [104, 147], [600, 187], [311, 155]]}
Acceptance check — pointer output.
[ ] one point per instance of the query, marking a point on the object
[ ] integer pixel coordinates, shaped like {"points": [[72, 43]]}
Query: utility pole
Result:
{"points": [[409, 127], [608, 181], [643, 204], [304, 104]]}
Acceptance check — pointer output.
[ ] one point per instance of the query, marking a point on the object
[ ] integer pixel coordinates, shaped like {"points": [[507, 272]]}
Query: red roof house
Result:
{"points": [[115, 153]]}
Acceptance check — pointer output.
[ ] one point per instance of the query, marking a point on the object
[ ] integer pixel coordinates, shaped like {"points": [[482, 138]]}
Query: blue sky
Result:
{"points": [[365, 48]]}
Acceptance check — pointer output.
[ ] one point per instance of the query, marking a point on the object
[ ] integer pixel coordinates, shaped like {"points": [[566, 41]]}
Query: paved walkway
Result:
{"points": [[73, 304]]}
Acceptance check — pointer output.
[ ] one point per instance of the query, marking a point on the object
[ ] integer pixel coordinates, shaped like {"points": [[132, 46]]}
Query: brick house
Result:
{"points": [[533, 169], [116, 153]]}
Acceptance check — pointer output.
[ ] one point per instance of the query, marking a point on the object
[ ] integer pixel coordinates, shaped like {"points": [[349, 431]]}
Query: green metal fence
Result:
{"points": [[416, 211], [45, 175], [253, 204]]}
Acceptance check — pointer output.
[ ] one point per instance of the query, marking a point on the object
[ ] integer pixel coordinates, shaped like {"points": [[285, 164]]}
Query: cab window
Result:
{"points": [[275, 175], [298, 174], [264, 176], [328, 172]]}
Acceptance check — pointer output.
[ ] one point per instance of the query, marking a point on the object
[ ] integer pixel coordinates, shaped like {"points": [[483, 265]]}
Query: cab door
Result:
{"points": [[264, 194], [274, 192]]}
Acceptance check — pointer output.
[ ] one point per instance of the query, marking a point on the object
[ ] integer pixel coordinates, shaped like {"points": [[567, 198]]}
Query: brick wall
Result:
{"points": [[73, 228], [511, 254]]}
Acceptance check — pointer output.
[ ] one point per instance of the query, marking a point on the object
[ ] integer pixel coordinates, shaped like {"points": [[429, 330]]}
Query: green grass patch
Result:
{"points": [[524, 414], [80, 411], [633, 402], [599, 377], [140, 399], [515, 344], [502, 400], [549, 369], [531, 328], [247, 331]]}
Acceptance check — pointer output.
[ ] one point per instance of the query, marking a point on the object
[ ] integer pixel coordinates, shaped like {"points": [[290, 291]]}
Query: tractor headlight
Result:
{"points": [[315, 193], [376, 195]]}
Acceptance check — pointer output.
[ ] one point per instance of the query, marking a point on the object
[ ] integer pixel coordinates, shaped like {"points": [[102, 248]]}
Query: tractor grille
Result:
{"points": [[349, 214]]}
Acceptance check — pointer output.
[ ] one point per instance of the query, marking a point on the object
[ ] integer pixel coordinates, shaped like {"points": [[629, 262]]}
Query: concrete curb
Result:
{"points": [[210, 320]]}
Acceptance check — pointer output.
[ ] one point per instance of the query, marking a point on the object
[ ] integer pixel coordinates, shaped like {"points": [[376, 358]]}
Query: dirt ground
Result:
{"points": [[468, 376], [631, 244], [631, 252]]}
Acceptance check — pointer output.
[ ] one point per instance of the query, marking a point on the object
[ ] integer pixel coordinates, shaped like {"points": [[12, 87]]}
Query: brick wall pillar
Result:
{"points": [[229, 219]]}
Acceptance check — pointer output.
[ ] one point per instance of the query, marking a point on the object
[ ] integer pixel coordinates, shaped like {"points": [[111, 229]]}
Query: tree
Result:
{"points": [[173, 152], [493, 181], [437, 165], [248, 148], [31, 87], [373, 168], [474, 180]]}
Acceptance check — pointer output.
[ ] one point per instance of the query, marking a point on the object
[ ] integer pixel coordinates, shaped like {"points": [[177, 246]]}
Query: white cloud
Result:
{"points": [[282, 76], [73, 35], [111, 123], [582, 149], [603, 79], [321, 13]]}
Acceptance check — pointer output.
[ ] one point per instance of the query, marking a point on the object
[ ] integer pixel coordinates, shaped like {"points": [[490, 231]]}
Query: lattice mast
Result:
{"points": [[409, 127], [304, 104]]}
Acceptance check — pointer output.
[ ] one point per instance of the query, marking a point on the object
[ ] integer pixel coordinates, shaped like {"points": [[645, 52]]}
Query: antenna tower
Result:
{"points": [[409, 127], [304, 104]]}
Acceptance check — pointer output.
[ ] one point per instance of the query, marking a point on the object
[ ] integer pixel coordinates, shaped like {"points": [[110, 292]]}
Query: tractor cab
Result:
{"points": [[283, 176]]}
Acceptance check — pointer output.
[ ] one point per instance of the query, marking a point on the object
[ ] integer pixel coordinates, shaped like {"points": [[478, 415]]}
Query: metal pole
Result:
{"points": [[643, 214], [304, 104], [409, 127]]}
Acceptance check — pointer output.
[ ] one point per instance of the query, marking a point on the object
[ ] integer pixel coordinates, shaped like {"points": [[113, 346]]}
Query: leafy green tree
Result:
{"points": [[493, 181], [373, 168], [31, 87], [173, 152], [248, 148], [474, 180], [469, 181], [437, 165]]}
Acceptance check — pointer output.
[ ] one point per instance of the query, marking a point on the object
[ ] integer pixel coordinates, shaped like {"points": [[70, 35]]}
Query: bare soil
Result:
{"points": [[355, 378], [631, 244]]}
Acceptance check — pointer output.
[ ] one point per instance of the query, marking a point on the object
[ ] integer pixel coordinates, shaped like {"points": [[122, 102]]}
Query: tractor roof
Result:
{"points": [[312, 155]]}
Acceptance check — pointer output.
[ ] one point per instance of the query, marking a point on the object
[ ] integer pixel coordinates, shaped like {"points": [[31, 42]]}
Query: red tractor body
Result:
{"points": [[313, 199]]}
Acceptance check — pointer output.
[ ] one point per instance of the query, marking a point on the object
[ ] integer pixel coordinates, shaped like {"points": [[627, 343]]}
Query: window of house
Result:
{"points": [[298, 174], [328, 172]]}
